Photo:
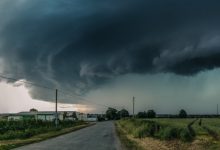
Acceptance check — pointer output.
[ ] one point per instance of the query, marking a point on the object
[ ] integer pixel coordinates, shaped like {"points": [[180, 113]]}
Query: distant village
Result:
{"points": [[49, 116]]}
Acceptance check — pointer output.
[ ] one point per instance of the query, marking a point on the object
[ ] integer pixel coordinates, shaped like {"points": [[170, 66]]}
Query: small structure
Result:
{"points": [[81, 116], [41, 115], [92, 117], [50, 116]]}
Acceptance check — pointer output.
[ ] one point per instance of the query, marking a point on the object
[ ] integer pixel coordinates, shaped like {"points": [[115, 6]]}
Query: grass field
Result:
{"points": [[172, 133]]}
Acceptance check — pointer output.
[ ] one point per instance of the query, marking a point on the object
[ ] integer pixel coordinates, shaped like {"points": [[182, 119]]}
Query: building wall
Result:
{"points": [[14, 118], [81, 116], [92, 119], [49, 117]]}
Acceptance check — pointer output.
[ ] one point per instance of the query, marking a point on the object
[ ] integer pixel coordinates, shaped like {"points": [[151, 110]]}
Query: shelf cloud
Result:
{"points": [[82, 44]]}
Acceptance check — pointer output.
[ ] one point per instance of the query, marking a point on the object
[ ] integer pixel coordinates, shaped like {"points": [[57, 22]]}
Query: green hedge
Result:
{"points": [[28, 128]]}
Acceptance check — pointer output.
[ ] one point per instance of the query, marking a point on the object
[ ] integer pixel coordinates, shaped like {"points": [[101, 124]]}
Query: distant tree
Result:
{"points": [[64, 115], [123, 113], [200, 122], [142, 115], [33, 110], [101, 117], [182, 113], [74, 115], [111, 114], [151, 114]]}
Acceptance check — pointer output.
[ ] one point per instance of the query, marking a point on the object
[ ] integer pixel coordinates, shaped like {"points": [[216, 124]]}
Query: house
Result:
{"points": [[81, 116], [87, 117]]}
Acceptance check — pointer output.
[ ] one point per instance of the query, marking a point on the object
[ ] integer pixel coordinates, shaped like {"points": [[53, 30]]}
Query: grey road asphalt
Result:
{"points": [[101, 136]]}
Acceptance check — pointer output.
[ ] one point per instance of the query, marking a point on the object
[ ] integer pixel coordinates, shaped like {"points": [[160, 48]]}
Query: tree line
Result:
{"points": [[114, 114]]}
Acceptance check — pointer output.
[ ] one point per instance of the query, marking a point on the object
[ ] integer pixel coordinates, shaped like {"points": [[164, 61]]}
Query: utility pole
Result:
{"points": [[56, 115], [133, 105], [217, 110]]}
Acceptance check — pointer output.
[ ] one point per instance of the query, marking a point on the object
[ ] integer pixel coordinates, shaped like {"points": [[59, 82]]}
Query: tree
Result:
{"points": [[111, 113], [74, 115], [64, 115], [182, 113], [123, 113], [33, 110], [151, 114], [142, 115]]}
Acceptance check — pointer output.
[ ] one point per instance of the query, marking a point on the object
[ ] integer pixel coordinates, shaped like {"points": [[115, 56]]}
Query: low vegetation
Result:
{"points": [[150, 128], [16, 133], [185, 132]]}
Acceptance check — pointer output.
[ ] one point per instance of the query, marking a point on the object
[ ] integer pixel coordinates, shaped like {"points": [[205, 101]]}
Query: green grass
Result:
{"points": [[127, 142], [161, 129], [211, 123], [172, 122]]}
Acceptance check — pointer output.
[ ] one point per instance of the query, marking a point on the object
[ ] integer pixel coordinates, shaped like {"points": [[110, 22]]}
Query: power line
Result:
{"points": [[43, 86], [26, 82], [50, 88], [82, 99]]}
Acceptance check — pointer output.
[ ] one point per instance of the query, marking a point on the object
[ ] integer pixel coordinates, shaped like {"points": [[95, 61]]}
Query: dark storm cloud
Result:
{"points": [[79, 44]]}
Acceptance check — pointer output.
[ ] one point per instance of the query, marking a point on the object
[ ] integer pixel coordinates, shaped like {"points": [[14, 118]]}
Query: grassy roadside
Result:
{"points": [[9, 144], [136, 134], [127, 142]]}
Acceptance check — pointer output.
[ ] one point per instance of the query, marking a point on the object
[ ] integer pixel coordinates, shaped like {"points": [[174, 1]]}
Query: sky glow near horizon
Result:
{"points": [[195, 94], [14, 99]]}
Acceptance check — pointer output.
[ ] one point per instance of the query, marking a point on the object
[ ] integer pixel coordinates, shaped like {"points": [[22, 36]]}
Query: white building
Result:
{"points": [[50, 116], [87, 117], [42, 115]]}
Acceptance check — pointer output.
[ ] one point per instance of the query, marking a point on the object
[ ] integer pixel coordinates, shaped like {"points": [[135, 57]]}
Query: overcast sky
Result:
{"points": [[165, 53]]}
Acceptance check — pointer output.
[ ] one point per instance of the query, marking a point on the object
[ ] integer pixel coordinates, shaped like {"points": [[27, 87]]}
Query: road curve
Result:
{"points": [[101, 136]]}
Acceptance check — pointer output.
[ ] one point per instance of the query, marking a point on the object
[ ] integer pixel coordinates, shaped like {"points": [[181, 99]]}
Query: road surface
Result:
{"points": [[101, 136]]}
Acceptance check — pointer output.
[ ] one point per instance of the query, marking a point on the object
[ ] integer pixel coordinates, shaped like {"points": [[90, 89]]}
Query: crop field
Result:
{"points": [[173, 133]]}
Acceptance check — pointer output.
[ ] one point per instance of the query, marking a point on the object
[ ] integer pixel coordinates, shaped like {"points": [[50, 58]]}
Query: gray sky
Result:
{"points": [[165, 53]]}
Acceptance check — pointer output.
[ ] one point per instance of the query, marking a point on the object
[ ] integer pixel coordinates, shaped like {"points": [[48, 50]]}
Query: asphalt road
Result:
{"points": [[101, 136]]}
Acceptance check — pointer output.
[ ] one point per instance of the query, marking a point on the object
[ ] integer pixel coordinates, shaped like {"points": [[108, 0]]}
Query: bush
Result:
{"points": [[141, 132], [144, 128], [182, 113], [151, 114], [139, 128], [185, 135], [142, 115], [169, 133]]}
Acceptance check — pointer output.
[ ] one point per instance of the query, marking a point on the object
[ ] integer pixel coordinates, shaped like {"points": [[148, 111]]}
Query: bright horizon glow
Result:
{"points": [[20, 100]]}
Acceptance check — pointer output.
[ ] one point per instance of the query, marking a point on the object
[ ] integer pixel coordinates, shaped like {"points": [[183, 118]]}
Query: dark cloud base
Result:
{"points": [[79, 45]]}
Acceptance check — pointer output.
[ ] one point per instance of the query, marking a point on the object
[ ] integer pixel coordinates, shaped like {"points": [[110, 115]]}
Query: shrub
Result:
{"points": [[145, 128], [185, 135], [141, 131], [169, 133], [151, 114], [142, 115]]}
